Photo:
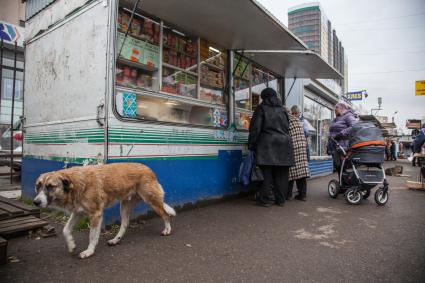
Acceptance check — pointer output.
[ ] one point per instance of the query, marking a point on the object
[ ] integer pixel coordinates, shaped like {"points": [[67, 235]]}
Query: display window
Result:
{"points": [[249, 81], [319, 118], [150, 108], [325, 123], [138, 52], [180, 64], [242, 82], [213, 73]]}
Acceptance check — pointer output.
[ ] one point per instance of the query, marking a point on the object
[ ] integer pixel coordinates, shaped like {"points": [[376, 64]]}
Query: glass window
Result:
{"points": [[138, 52], [186, 79], [241, 83], [312, 114], [248, 88], [213, 73], [325, 123], [180, 64], [147, 107], [7, 85]]}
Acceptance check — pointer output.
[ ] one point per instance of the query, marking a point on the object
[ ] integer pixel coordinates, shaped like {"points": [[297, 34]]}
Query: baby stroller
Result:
{"points": [[361, 168]]}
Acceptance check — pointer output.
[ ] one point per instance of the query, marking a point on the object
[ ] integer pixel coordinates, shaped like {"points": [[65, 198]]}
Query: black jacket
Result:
{"points": [[269, 134]]}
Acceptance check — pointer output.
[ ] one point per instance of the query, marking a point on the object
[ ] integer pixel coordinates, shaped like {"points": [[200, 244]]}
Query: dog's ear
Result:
{"points": [[67, 184]]}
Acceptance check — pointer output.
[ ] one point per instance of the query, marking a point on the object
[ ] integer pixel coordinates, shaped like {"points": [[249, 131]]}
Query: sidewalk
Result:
{"points": [[321, 240]]}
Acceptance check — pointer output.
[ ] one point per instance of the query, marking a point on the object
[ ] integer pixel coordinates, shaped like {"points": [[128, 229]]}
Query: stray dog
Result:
{"points": [[90, 189]]}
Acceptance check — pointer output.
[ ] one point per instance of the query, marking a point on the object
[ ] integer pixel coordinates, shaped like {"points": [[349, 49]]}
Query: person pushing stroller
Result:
{"points": [[339, 131]]}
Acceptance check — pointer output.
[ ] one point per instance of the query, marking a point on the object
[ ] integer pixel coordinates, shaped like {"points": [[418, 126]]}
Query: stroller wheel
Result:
{"points": [[381, 196], [366, 193], [333, 188], [353, 197]]}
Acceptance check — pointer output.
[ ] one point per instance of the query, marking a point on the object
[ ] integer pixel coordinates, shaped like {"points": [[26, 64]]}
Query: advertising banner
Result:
{"points": [[420, 88]]}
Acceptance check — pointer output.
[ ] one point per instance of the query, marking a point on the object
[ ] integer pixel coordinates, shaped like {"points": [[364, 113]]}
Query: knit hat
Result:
{"points": [[268, 92]]}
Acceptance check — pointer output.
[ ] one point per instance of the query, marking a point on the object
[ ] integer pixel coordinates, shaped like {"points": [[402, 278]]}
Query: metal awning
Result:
{"points": [[235, 24], [294, 64]]}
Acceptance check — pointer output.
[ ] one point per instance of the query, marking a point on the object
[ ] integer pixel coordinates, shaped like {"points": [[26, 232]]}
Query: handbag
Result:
{"points": [[256, 173]]}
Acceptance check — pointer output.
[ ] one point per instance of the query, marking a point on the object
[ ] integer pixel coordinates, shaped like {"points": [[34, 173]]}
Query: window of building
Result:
{"points": [[7, 85]]}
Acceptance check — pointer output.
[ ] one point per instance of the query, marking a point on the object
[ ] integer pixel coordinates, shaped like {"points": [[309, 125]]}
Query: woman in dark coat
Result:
{"points": [[269, 139]]}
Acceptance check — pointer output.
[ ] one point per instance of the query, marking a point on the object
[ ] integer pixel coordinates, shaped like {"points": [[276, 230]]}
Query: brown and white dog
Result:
{"points": [[90, 189]]}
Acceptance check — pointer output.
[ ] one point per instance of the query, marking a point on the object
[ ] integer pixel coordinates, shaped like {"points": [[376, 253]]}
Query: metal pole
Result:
{"points": [[23, 106], [282, 90], [13, 112], [230, 87]]}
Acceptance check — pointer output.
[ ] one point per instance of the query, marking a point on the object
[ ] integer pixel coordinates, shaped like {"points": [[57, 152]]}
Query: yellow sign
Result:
{"points": [[420, 88]]}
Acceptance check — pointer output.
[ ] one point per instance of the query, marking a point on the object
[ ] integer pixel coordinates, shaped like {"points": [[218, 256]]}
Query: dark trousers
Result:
{"points": [[276, 179], [301, 187], [393, 157]]}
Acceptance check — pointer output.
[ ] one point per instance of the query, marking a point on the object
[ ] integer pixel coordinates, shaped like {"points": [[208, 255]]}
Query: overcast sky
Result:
{"points": [[385, 46]]}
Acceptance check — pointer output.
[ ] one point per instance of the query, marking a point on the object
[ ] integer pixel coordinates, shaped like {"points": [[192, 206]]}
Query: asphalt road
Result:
{"points": [[321, 240]]}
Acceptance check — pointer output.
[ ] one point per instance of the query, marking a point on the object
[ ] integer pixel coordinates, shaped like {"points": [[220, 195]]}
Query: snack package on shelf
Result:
{"points": [[123, 20], [136, 27]]}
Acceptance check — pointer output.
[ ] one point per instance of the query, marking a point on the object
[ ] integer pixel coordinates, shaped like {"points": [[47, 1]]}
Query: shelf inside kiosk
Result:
{"points": [[180, 64], [137, 52], [213, 73]]}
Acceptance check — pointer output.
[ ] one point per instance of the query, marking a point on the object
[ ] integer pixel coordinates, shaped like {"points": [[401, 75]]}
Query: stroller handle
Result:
{"points": [[338, 145]]}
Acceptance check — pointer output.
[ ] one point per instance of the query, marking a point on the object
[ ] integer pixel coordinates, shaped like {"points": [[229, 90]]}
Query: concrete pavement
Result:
{"points": [[321, 240]]}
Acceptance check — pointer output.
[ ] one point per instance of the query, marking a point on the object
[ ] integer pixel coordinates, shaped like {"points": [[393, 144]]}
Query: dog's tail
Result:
{"points": [[169, 210]]}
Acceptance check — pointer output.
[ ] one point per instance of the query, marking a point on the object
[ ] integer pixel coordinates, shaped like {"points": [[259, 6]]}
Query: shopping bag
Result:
{"points": [[245, 169]]}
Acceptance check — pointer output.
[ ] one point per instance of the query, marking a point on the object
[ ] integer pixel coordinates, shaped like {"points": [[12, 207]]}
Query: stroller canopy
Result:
{"points": [[365, 134]]}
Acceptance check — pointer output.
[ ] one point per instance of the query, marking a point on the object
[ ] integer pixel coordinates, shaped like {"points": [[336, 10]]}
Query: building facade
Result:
{"points": [[12, 23]]}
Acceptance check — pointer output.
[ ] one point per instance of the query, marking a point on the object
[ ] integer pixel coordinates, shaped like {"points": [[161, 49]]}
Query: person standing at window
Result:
{"points": [[299, 172], [270, 140], [295, 110]]}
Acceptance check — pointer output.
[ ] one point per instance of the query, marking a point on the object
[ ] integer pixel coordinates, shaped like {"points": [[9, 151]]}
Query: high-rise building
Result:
{"points": [[309, 23], [317, 97]]}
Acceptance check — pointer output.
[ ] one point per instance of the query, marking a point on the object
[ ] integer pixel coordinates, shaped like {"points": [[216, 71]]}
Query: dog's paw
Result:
{"points": [[113, 242], [71, 246], [86, 254], [166, 232]]}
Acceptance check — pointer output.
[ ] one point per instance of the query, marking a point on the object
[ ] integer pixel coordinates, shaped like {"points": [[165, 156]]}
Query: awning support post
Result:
{"points": [[237, 64], [289, 92]]}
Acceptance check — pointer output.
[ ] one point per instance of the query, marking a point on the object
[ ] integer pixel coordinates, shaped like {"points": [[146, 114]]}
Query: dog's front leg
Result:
{"points": [[67, 231], [95, 226]]}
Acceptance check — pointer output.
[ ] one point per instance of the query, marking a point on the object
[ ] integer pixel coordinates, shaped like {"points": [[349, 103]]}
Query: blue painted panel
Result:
{"points": [[320, 167], [184, 181]]}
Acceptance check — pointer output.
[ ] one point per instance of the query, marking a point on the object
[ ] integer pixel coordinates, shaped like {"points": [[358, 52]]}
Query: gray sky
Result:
{"points": [[385, 46]]}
